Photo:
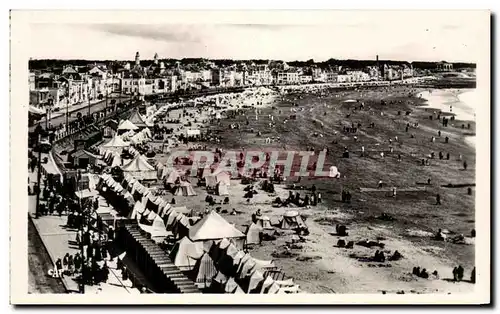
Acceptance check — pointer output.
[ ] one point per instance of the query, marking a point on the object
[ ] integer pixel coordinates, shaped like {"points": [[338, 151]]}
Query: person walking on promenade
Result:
{"points": [[438, 199], [70, 265], [59, 266], [65, 262], [78, 262]]}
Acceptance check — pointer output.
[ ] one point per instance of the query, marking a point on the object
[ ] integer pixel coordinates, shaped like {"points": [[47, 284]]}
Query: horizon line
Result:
{"points": [[254, 59]]}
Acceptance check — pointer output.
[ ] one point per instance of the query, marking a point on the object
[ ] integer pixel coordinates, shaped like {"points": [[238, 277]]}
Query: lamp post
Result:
{"points": [[88, 92], [67, 114], [46, 117], [106, 104], [39, 175], [82, 238]]}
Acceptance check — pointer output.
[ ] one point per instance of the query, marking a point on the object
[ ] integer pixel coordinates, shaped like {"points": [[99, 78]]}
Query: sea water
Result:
{"points": [[461, 102]]}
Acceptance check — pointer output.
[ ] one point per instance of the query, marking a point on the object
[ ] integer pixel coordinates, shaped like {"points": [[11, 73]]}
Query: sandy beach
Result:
{"points": [[318, 265]]}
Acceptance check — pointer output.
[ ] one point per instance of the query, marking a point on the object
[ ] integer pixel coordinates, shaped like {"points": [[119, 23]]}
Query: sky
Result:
{"points": [[396, 37]]}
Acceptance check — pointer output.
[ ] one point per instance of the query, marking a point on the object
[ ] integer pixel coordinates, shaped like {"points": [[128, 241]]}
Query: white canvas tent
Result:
{"points": [[204, 271], [184, 189], [137, 119], [291, 220], [140, 168], [185, 253], [213, 227], [126, 125], [171, 176], [116, 144], [222, 189], [253, 234], [219, 181]]}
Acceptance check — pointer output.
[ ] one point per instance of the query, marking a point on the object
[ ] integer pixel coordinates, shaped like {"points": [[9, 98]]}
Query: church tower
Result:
{"points": [[156, 58], [137, 58]]}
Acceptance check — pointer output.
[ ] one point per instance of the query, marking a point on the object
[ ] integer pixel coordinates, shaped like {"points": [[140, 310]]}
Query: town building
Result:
{"points": [[444, 66], [305, 79], [287, 77], [139, 80], [358, 76]]}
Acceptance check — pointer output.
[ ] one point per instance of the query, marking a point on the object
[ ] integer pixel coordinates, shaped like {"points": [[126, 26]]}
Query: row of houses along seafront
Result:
{"points": [[79, 84]]}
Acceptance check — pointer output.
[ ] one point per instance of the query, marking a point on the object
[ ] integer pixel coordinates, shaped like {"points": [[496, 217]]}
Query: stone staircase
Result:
{"points": [[154, 262]]}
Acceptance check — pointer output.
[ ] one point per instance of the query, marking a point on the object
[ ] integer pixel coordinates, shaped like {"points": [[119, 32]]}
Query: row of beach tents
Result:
{"points": [[196, 251], [221, 266]]}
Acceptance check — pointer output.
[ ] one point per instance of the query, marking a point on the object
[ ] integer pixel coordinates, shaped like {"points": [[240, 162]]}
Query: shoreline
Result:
{"points": [[453, 97]]}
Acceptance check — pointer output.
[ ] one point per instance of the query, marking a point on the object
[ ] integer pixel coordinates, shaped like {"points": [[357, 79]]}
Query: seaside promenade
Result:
{"points": [[60, 116], [59, 240]]}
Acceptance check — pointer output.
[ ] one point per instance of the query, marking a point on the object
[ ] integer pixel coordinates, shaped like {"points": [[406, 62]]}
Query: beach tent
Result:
{"points": [[158, 222], [264, 222], [116, 144], [185, 253], [170, 219], [213, 227], [255, 282], [210, 181], [232, 287], [184, 189], [253, 234], [137, 120], [182, 209], [291, 220], [164, 208], [140, 169], [228, 259], [157, 234], [222, 189], [204, 270], [164, 171], [217, 250], [180, 226], [172, 176], [266, 285], [246, 267], [116, 160], [126, 125], [219, 181], [128, 135], [334, 173], [138, 209], [219, 281], [159, 168]]}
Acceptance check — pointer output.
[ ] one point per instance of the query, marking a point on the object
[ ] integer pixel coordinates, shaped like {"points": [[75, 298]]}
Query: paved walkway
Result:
{"points": [[60, 117], [59, 240]]}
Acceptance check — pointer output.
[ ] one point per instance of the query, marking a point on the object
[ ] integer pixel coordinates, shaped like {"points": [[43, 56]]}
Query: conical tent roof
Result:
{"points": [[139, 163], [116, 141], [136, 119], [127, 125], [212, 227]]}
